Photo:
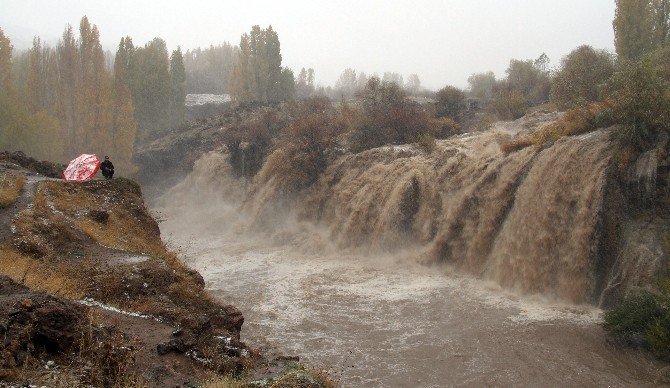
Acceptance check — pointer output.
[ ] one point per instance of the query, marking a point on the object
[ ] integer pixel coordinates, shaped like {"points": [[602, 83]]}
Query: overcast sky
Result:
{"points": [[443, 41]]}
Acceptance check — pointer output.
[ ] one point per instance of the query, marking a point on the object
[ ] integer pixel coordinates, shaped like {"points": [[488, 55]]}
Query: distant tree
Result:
{"points": [[582, 73], [94, 101], [542, 63], [450, 103], [361, 81], [257, 75], [151, 87], [305, 83], [482, 85], [208, 70], [178, 81], [287, 89], [393, 77], [346, 85], [33, 91], [387, 117], [413, 84]]}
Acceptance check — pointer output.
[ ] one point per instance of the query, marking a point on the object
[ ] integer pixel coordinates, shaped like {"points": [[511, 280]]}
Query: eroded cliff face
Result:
{"points": [[556, 221]]}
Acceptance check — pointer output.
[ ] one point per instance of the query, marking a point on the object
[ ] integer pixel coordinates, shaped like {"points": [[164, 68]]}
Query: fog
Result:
{"points": [[441, 41]]}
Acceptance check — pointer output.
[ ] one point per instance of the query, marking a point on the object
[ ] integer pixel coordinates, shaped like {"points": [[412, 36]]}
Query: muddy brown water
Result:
{"points": [[389, 322]]}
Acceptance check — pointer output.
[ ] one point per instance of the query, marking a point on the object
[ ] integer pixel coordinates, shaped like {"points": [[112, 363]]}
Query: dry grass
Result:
{"points": [[10, 189], [121, 230], [53, 279], [515, 145], [574, 122], [223, 382]]}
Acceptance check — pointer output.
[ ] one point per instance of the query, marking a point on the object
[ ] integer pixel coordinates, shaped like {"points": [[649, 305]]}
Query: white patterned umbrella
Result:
{"points": [[82, 168]]}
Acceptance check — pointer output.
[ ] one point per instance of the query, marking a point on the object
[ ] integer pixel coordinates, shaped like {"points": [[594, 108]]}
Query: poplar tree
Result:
{"points": [[7, 91], [258, 75], [178, 83], [34, 87], [95, 92], [123, 125], [151, 87], [641, 26], [67, 106]]}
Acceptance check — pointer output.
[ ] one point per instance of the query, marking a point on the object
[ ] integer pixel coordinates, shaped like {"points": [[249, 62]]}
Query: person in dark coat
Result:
{"points": [[107, 168]]}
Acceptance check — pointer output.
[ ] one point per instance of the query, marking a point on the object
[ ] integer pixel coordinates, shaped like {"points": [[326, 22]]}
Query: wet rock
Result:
{"points": [[178, 345], [229, 318], [45, 168], [99, 216]]}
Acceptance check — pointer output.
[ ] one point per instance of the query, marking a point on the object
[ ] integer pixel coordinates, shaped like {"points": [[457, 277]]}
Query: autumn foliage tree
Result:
{"points": [[387, 117], [69, 101]]}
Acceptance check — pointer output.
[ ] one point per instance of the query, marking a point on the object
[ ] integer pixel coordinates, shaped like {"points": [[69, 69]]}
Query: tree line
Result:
{"points": [[58, 102]]}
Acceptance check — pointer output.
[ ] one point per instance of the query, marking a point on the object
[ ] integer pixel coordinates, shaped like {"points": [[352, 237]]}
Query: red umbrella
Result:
{"points": [[82, 168]]}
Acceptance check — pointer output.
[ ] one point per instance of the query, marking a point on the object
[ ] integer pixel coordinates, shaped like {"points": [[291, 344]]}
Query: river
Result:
{"points": [[387, 321]]}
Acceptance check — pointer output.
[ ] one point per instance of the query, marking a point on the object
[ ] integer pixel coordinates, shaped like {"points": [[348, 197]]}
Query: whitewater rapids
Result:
{"points": [[388, 322], [463, 266]]}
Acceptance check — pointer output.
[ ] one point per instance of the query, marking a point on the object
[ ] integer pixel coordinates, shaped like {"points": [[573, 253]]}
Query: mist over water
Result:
{"points": [[375, 318]]}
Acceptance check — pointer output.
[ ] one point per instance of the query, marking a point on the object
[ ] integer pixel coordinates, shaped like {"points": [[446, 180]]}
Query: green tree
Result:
{"points": [[69, 82], [124, 126], [580, 77], [640, 100], [634, 28], [287, 89], [7, 92], [530, 78], [257, 75], [482, 85], [347, 84], [178, 81], [95, 95], [33, 90], [450, 103], [304, 85], [151, 87]]}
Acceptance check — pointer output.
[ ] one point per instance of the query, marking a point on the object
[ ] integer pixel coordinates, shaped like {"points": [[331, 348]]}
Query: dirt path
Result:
{"points": [[8, 215]]}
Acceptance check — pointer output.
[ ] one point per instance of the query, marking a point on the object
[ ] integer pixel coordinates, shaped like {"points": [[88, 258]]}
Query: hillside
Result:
{"points": [[91, 295], [566, 219]]}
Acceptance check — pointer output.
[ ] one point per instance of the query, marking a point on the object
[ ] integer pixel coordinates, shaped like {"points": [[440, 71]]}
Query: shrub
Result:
{"points": [[582, 73], [251, 141], [509, 104], [427, 143], [444, 127], [10, 189], [573, 122], [301, 153], [387, 117], [640, 98], [642, 319], [450, 103], [515, 145]]}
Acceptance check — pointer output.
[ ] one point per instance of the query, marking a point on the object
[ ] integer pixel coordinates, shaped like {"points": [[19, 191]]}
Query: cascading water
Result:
{"points": [[332, 275]]}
